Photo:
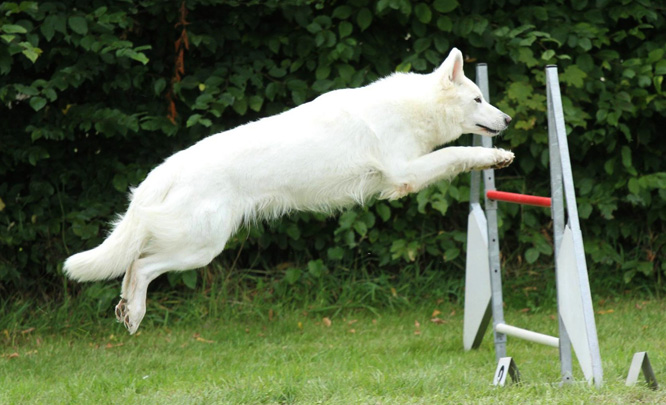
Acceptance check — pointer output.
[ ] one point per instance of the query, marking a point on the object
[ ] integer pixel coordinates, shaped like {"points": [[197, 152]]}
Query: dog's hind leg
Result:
{"points": [[121, 308], [128, 281], [181, 238], [132, 307]]}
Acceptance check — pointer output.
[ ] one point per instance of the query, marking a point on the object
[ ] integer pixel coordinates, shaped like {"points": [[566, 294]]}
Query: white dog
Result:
{"points": [[340, 149]]}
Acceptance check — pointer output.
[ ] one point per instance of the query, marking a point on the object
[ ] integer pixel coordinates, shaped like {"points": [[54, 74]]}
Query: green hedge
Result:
{"points": [[96, 93]]}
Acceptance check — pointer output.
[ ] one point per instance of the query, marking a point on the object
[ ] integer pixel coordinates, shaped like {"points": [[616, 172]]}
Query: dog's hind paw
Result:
{"points": [[121, 310], [122, 314], [129, 317]]}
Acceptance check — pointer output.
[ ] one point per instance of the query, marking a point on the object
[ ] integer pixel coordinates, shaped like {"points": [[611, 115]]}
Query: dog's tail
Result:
{"points": [[114, 256]]}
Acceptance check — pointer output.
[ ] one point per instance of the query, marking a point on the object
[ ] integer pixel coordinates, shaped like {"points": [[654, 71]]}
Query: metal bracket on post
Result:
{"points": [[639, 363], [506, 367]]}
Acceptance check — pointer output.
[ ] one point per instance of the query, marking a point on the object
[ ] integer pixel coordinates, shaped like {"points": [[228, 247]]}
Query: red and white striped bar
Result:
{"points": [[518, 198]]}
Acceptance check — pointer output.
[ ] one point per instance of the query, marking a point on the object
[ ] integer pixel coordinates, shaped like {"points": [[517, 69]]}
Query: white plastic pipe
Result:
{"points": [[527, 335]]}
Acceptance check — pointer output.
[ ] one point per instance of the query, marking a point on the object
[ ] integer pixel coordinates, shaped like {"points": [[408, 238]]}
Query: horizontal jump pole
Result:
{"points": [[518, 198], [527, 335]]}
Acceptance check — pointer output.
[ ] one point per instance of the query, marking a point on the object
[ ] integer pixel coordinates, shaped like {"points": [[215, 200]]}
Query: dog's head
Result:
{"points": [[475, 115]]}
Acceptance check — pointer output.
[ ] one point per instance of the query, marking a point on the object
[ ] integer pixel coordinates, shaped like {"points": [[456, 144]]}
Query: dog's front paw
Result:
{"points": [[503, 158], [494, 159]]}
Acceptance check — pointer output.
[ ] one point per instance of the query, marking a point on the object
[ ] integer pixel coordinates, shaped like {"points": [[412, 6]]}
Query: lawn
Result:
{"points": [[402, 356]]}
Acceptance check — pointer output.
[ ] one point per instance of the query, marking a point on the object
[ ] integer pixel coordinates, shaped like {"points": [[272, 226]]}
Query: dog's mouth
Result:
{"points": [[489, 130]]}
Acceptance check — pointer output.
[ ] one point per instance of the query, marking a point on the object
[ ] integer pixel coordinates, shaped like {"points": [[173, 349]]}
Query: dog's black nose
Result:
{"points": [[507, 119]]}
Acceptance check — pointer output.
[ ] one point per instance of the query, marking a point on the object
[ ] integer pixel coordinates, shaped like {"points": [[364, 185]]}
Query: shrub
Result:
{"points": [[95, 94]]}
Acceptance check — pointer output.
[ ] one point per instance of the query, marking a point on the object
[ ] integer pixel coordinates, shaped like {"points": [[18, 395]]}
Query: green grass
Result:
{"points": [[294, 357]]}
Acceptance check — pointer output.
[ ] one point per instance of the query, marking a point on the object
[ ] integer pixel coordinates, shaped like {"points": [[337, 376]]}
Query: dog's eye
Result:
{"points": [[478, 99]]}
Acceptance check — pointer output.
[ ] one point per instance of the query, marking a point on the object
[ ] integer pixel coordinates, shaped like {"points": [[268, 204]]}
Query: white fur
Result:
{"points": [[341, 149]]}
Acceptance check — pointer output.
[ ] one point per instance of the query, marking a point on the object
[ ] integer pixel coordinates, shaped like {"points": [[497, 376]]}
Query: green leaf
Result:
{"points": [[317, 268], [322, 72], [634, 186], [441, 206], [314, 28], [647, 268], [445, 6], [383, 211], [364, 18], [100, 11], [531, 255], [361, 228], [585, 43], [547, 54], [404, 67], [271, 90], [442, 46], [609, 166], [133, 54], [13, 29], [190, 279], [423, 13], [78, 24], [322, 86], [526, 56], [274, 45], [140, 57], [292, 275], [255, 103], [444, 23], [37, 103], [335, 253], [240, 106], [342, 12], [451, 254], [30, 6], [347, 219], [31, 52], [48, 27], [293, 231], [36, 154], [193, 120], [626, 157], [277, 72], [655, 55], [660, 67], [119, 182], [345, 29], [574, 76], [422, 44], [584, 210], [520, 90], [159, 86], [346, 72]]}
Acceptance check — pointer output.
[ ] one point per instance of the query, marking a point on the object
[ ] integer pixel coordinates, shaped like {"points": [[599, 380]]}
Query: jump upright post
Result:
{"points": [[483, 283]]}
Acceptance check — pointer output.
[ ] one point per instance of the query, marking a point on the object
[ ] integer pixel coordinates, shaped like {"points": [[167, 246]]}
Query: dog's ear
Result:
{"points": [[451, 71]]}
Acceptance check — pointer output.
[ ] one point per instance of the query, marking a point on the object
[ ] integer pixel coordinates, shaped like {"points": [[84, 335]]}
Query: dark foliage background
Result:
{"points": [[96, 93]]}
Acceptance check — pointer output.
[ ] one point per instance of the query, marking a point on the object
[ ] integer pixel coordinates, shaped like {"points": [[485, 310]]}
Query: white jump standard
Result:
{"points": [[483, 284]]}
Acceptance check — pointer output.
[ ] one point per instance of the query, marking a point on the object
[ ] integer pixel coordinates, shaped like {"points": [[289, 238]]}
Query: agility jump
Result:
{"points": [[483, 285]]}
